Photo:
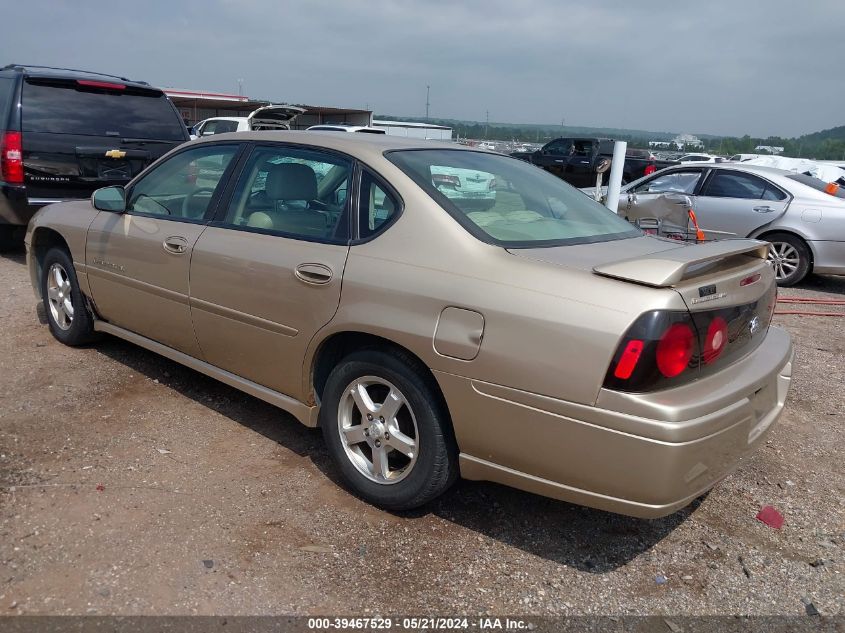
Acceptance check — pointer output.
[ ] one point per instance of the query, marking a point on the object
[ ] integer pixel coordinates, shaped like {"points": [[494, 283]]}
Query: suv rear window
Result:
{"points": [[65, 107]]}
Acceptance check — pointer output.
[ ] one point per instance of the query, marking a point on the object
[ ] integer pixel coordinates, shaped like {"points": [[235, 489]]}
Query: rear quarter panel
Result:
{"points": [[548, 329]]}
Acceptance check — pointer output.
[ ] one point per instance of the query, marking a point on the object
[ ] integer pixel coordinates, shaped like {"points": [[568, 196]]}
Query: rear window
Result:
{"points": [[6, 87], [509, 202], [816, 183], [64, 107]]}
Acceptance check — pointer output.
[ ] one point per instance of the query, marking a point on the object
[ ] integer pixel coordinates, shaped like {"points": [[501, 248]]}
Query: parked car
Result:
{"points": [[466, 187], [575, 160], [699, 158], [65, 133], [544, 343], [270, 117], [804, 223], [342, 127]]}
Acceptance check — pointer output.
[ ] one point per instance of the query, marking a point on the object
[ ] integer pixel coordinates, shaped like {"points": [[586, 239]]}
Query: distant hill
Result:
{"points": [[823, 145], [531, 131]]}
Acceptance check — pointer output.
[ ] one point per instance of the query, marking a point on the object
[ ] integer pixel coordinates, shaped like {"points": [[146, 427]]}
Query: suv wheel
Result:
{"points": [[67, 315], [790, 258], [387, 430]]}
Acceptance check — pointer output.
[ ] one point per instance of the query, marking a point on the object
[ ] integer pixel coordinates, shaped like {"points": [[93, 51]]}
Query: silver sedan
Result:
{"points": [[803, 221]]}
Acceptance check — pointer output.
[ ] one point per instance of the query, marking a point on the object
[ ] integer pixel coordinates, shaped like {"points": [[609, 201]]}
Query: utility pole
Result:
{"points": [[427, 104], [486, 123], [240, 87]]}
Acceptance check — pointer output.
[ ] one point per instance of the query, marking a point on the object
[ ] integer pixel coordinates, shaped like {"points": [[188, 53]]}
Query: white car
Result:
{"points": [[342, 127], [270, 117], [699, 158]]}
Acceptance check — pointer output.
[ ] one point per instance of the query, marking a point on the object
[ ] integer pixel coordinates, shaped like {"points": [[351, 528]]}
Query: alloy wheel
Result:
{"points": [[378, 430], [59, 296], [785, 259]]}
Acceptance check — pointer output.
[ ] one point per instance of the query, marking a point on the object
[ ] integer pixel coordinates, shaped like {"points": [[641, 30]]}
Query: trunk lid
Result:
{"points": [[273, 117], [729, 280]]}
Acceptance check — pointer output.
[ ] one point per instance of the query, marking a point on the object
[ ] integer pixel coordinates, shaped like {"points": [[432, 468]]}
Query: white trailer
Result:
{"points": [[415, 130]]}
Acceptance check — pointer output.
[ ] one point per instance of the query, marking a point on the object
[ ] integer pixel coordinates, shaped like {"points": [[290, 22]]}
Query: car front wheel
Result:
{"points": [[67, 315], [387, 429], [790, 258]]}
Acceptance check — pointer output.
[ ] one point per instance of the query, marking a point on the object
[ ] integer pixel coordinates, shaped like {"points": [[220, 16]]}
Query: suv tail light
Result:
{"points": [[649, 169], [11, 158], [665, 348]]}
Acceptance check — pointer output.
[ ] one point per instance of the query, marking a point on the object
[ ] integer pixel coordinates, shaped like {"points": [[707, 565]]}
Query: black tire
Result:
{"points": [[10, 238], [786, 249], [78, 329], [436, 465]]}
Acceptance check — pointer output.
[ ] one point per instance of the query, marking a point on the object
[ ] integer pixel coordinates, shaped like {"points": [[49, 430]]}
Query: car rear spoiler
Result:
{"points": [[668, 268]]}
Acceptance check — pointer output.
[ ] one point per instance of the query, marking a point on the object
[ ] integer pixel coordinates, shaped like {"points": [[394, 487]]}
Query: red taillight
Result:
{"points": [[674, 349], [11, 158], [751, 279], [716, 340], [492, 184], [100, 84], [650, 169], [628, 361]]}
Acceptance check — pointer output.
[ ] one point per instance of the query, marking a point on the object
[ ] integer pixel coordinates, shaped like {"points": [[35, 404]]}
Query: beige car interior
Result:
{"points": [[284, 203]]}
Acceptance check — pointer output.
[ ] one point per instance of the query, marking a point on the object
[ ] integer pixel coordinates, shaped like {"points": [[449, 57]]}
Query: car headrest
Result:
{"points": [[291, 181], [260, 220]]}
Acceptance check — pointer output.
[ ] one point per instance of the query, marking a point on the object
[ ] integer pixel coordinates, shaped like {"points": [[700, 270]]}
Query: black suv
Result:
{"points": [[65, 133]]}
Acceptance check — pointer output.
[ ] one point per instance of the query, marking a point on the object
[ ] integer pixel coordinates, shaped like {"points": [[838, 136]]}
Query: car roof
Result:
{"points": [[47, 72], [354, 144]]}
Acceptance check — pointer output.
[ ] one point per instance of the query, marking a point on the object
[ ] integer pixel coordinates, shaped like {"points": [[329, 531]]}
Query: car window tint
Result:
{"points": [[64, 107], [375, 208], [219, 127], [773, 193], [6, 87], [676, 182], [293, 192], [182, 186], [509, 202], [734, 184]]}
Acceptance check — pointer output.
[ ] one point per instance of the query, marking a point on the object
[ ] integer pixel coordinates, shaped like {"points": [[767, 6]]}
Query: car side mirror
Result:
{"points": [[112, 199]]}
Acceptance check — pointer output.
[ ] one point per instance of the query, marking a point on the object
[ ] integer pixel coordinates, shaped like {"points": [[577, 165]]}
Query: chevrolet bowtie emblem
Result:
{"points": [[115, 153]]}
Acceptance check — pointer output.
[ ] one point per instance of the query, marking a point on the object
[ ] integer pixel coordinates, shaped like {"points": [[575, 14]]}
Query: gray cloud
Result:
{"points": [[724, 67]]}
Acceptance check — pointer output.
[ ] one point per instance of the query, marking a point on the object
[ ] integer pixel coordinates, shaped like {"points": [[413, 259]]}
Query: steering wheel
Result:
{"points": [[186, 203]]}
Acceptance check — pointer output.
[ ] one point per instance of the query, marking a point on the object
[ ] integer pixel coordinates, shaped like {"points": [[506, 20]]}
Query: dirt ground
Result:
{"points": [[131, 485]]}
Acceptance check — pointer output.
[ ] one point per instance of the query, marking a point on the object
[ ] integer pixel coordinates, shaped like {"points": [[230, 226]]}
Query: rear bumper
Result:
{"points": [[644, 455], [828, 257], [14, 206]]}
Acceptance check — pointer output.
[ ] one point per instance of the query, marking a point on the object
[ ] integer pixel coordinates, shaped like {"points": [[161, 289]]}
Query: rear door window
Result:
{"points": [[66, 107], [734, 184]]}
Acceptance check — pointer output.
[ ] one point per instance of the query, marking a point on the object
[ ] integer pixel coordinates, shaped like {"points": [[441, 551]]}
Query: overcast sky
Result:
{"points": [[762, 67]]}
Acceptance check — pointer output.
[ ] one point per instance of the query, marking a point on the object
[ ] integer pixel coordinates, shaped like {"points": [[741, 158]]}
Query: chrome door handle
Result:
{"points": [[316, 274], [763, 209], [175, 245]]}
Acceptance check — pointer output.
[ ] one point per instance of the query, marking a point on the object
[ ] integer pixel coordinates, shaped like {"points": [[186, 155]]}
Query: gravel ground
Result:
{"points": [[131, 485]]}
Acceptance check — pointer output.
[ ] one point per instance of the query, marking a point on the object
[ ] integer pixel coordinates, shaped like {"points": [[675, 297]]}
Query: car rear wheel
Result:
{"points": [[67, 315], [387, 429], [790, 258]]}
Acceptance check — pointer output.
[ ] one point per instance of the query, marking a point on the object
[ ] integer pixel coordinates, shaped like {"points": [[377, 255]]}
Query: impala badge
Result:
{"points": [[115, 153]]}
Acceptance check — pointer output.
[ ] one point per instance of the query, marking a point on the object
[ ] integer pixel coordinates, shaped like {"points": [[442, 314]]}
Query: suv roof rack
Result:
{"points": [[73, 70]]}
